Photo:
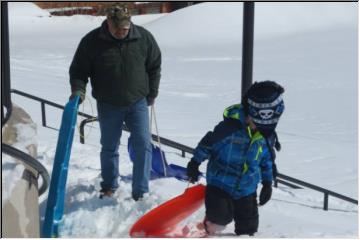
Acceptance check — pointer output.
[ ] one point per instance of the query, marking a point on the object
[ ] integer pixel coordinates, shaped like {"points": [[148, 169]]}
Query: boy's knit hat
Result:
{"points": [[264, 104]]}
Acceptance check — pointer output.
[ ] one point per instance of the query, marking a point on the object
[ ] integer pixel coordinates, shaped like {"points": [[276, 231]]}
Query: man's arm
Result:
{"points": [[80, 69], [153, 66]]}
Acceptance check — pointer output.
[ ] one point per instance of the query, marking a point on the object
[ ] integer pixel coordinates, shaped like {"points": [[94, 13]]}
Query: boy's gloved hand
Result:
{"points": [[79, 93], [193, 171], [265, 193]]}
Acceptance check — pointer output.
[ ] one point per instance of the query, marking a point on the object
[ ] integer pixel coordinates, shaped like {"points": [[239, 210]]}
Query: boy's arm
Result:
{"points": [[267, 177], [204, 148], [203, 152], [266, 166]]}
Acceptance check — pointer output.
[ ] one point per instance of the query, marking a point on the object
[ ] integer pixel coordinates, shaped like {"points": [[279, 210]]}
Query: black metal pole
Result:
{"points": [[43, 114], [5, 66], [248, 46], [326, 201]]}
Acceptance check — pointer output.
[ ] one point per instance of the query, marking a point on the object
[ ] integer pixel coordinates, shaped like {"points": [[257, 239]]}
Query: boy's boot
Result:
{"points": [[213, 228]]}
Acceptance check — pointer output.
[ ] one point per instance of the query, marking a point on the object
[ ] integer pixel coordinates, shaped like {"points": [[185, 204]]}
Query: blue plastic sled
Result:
{"points": [[55, 203], [157, 165]]}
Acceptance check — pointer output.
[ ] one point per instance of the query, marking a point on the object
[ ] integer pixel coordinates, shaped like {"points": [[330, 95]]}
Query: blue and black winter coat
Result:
{"points": [[238, 158]]}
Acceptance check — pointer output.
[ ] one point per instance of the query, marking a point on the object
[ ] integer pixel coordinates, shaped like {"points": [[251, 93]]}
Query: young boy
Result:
{"points": [[240, 156]]}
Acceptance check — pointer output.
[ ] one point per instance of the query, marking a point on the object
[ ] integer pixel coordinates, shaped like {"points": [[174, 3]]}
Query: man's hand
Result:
{"points": [[150, 101], [79, 93], [193, 171]]}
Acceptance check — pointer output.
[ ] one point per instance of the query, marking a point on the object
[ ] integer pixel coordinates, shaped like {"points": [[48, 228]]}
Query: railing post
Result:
{"points": [[82, 127], [43, 114], [248, 46], [183, 154], [5, 66], [276, 183], [326, 201], [82, 136]]}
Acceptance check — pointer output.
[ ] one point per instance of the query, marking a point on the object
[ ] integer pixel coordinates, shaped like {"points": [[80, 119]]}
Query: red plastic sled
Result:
{"points": [[162, 220]]}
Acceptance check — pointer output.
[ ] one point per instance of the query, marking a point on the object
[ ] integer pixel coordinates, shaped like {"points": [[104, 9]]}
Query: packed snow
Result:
{"points": [[309, 48], [11, 173], [21, 135]]}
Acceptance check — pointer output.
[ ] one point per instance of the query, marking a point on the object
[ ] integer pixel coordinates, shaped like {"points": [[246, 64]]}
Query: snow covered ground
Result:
{"points": [[309, 48]]}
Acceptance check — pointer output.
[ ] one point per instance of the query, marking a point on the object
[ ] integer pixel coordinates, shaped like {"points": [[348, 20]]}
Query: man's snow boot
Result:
{"points": [[137, 197], [106, 193]]}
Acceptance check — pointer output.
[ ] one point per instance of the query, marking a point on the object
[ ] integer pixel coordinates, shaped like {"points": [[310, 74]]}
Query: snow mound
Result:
{"points": [[26, 10], [216, 22], [146, 19], [192, 25]]}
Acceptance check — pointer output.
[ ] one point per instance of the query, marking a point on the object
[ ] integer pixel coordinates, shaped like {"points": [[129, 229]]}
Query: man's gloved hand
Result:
{"points": [[265, 193], [79, 93], [150, 101], [192, 171]]}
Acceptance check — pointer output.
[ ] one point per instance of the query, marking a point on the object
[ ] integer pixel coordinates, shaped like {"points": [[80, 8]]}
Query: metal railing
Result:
{"points": [[184, 149], [281, 178], [89, 119], [30, 163], [326, 192], [43, 103]]}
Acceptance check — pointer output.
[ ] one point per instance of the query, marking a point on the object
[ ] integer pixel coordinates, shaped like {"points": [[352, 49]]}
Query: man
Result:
{"points": [[123, 62], [240, 156]]}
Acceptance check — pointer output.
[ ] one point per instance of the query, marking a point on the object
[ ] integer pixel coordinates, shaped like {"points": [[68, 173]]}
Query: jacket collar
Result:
{"points": [[235, 112], [104, 34]]}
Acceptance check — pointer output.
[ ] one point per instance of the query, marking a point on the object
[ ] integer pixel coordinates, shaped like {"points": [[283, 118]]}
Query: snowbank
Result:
{"points": [[218, 23], [11, 173], [26, 10], [12, 170]]}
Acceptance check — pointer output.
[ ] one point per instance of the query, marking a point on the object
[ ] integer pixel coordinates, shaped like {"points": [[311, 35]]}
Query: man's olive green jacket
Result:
{"points": [[121, 72]]}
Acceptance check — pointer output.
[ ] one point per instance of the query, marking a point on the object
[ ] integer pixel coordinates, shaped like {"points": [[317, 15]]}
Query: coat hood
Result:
{"points": [[235, 112]]}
